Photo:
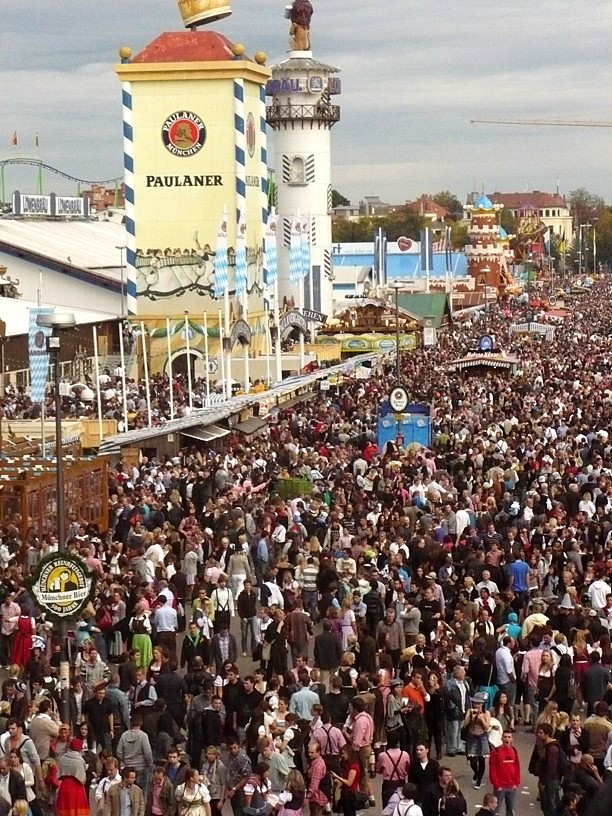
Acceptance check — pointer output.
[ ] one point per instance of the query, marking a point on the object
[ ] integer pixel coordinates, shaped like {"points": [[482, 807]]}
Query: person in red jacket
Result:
{"points": [[505, 773]]}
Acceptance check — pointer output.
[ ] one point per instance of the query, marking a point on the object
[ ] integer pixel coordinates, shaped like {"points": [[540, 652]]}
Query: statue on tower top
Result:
{"points": [[300, 13]]}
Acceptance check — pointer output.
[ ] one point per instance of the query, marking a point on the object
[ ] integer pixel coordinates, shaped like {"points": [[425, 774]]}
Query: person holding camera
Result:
{"points": [[477, 724]]}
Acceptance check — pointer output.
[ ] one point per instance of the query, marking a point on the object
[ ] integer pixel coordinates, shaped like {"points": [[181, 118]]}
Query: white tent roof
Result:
{"points": [[86, 244], [16, 315]]}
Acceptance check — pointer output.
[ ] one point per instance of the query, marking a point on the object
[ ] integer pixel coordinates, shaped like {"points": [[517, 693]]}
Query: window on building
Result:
{"points": [[298, 171]]}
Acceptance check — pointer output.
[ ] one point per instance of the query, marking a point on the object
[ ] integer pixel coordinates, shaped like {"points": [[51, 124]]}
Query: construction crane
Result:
{"points": [[543, 122]]}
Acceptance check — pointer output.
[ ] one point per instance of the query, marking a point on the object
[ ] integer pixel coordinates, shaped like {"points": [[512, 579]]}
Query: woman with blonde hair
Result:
{"points": [[546, 678], [348, 674], [292, 798], [580, 662], [550, 715], [349, 622]]}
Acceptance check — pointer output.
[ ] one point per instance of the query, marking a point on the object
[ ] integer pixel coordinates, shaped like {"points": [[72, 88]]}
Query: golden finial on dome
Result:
{"points": [[125, 52], [200, 12], [238, 49], [261, 57]]}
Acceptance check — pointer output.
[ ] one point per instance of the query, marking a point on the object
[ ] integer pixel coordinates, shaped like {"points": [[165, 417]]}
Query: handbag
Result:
{"points": [[266, 650], [360, 799]]}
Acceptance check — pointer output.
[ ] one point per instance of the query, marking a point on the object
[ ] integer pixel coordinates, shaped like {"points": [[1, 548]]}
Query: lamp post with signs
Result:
{"points": [[398, 400], [396, 286], [59, 322], [484, 274]]}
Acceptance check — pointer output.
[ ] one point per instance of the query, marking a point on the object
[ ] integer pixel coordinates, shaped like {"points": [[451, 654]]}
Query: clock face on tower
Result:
{"points": [[398, 399]]}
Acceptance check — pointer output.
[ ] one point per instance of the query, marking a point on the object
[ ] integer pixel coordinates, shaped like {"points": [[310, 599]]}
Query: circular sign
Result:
{"points": [[398, 399], [250, 133], [404, 244], [552, 300], [183, 133], [62, 585], [485, 343]]}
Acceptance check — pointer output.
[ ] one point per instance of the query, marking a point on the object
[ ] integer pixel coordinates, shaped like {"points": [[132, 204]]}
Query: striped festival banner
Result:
{"points": [[305, 245], [221, 265], [270, 255], [241, 257], [295, 251], [38, 354]]}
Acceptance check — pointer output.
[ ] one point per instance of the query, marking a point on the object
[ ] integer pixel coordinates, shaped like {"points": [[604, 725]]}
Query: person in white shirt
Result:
{"points": [[223, 603], [487, 583], [166, 624], [598, 591], [113, 777]]}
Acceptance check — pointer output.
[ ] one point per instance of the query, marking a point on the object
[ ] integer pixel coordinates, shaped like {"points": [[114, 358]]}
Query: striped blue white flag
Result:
{"points": [[270, 254], [241, 257], [221, 265], [295, 251], [305, 242], [38, 354]]}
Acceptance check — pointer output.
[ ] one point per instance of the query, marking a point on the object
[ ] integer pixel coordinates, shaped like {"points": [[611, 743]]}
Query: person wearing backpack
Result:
{"points": [[392, 765], [505, 772], [550, 769], [407, 805]]}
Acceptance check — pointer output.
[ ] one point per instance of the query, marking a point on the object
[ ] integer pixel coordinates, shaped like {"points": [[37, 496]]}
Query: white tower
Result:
{"points": [[301, 115]]}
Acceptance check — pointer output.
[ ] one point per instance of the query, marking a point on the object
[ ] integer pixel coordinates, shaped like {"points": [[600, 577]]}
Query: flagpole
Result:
{"points": [[97, 366], [277, 348], [170, 383], [188, 349], [206, 359], [123, 378], [145, 360], [268, 349], [222, 356]]}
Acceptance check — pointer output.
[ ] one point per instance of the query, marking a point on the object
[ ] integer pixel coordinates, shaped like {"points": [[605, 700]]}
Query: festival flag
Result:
{"points": [[270, 256], [426, 251], [14, 138], [36, 140], [38, 354], [305, 245], [295, 251], [221, 264], [241, 257]]}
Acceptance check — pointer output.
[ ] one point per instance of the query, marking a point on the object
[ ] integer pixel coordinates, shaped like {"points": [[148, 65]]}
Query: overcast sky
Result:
{"points": [[413, 75]]}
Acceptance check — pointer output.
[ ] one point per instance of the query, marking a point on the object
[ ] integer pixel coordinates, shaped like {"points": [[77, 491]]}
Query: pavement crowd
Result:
{"points": [[303, 621]]}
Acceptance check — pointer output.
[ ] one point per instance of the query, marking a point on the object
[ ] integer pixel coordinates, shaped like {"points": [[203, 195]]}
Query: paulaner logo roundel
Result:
{"points": [[62, 586], [183, 133]]}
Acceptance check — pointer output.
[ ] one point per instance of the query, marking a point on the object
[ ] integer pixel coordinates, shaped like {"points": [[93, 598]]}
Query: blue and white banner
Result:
{"points": [[38, 354], [241, 256], [270, 255], [221, 264], [305, 241], [426, 251], [295, 251]]}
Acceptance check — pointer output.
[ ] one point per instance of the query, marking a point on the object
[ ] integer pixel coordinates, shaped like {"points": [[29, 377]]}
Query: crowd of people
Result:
{"points": [[409, 606]]}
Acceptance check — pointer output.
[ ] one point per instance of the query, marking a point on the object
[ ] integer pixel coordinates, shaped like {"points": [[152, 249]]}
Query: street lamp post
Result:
{"points": [[58, 322], [122, 248], [396, 286], [485, 271]]}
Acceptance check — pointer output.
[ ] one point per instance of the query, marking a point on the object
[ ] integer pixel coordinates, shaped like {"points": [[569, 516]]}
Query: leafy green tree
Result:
{"points": [[585, 206], [603, 236], [338, 200], [459, 235], [450, 202], [347, 231], [507, 221], [401, 222]]}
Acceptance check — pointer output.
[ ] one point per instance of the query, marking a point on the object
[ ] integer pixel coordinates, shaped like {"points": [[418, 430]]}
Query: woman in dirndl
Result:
{"points": [[71, 796], [140, 627], [478, 724], [22, 644], [117, 646]]}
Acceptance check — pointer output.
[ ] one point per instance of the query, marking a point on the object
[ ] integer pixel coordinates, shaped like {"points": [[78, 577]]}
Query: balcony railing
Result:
{"points": [[321, 112]]}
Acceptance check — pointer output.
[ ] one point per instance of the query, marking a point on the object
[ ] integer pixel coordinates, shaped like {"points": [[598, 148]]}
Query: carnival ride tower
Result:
{"points": [[486, 255], [301, 114]]}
